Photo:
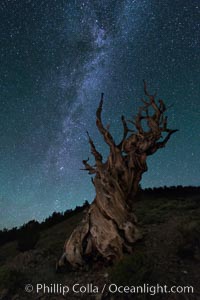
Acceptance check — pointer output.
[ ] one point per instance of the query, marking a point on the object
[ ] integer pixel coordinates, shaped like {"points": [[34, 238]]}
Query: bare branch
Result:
{"points": [[106, 134], [152, 102], [98, 157], [137, 122], [162, 144], [126, 130], [88, 167]]}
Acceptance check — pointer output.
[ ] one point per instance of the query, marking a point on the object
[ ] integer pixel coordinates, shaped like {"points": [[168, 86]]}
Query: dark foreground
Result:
{"points": [[167, 256]]}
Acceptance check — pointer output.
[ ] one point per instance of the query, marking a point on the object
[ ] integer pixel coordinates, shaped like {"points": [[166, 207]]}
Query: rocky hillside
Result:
{"points": [[168, 254]]}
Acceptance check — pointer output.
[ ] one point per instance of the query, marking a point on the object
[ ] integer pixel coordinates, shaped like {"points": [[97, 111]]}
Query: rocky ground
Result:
{"points": [[168, 254]]}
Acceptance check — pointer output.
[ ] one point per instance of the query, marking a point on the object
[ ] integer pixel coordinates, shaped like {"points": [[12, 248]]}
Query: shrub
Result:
{"points": [[132, 270], [27, 239], [11, 279], [189, 244]]}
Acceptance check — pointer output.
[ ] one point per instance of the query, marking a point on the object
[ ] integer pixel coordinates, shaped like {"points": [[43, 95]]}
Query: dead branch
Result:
{"points": [[106, 134], [98, 157], [88, 167]]}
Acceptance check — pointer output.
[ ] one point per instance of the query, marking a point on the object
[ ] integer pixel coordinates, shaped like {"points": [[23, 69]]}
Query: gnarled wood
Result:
{"points": [[109, 228]]}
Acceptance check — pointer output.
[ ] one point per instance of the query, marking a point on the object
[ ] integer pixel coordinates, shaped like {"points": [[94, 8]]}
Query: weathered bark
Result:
{"points": [[109, 228]]}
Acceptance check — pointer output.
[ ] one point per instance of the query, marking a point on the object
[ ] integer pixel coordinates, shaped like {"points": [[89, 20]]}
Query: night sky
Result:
{"points": [[56, 57]]}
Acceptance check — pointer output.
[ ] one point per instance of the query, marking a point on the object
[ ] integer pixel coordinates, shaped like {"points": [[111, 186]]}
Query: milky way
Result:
{"points": [[56, 59]]}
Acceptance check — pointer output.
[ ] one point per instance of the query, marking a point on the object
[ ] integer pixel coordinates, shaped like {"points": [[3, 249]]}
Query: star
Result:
{"points": [[57, 57]]}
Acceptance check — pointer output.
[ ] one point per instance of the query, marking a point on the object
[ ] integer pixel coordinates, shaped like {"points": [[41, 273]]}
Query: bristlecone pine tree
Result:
{"points": [[109, 228]]}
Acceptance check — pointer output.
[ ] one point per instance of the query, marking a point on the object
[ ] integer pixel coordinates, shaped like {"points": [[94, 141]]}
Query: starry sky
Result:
{"points": [[56, 57]]}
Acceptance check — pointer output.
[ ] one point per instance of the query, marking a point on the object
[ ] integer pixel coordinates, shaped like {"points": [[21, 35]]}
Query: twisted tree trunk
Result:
{"points": [[109, 228]]}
